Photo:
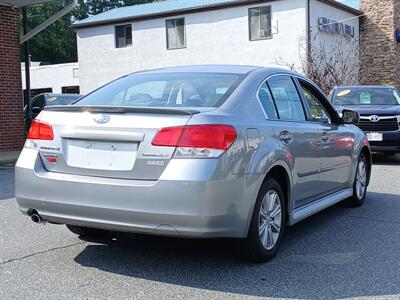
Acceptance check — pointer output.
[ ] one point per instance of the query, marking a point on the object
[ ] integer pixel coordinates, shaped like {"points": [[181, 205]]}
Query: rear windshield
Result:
{"points": [[165, 90], [61, 99], [366, 96]]}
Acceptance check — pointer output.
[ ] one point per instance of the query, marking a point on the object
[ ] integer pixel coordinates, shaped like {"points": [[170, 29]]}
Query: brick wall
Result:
{"points": [[11, 99], [380, 53]]}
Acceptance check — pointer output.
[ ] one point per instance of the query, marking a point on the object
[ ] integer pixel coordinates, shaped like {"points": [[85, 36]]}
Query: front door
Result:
{"points": [[337, 141]]}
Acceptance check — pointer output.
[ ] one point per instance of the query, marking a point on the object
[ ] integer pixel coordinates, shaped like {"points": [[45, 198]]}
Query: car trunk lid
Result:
{"points": [[111, 142]]}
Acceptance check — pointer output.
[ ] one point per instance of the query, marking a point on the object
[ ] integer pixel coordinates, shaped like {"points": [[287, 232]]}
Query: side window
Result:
{"points": [[267, 103], [287, 99], [39, 102], [318, 113]]}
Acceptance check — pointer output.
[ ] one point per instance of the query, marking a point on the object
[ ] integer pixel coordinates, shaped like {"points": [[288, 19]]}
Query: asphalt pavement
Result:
{"points": [[339, 253]]}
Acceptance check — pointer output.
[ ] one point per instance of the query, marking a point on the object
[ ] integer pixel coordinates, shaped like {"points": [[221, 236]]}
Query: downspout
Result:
{"points": [[308, 33], [27, 94]]}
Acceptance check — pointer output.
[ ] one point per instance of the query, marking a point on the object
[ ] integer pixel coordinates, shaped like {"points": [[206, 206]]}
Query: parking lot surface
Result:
{"points": [[339, 253]]}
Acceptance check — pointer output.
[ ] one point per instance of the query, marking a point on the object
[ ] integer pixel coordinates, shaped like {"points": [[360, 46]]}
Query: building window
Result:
{"points": [[70, 89], [260, 23], [175, 33], [123, 36]]}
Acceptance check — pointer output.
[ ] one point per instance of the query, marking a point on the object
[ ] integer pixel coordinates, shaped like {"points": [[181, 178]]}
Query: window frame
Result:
{"points": [[124, 26], [327, 106], [297, 90], [184, 33], [265, 82], [270, 36]]}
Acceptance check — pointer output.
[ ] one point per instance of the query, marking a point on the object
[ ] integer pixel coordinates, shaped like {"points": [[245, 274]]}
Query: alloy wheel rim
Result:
{"points": [[270, 220], [361, 179]]}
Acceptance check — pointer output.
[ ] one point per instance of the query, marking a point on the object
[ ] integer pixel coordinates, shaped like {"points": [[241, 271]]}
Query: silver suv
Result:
{"points": [[200, 152]]}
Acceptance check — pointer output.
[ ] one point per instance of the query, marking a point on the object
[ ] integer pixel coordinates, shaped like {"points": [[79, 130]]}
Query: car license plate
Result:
{"points": [[375, 137], [101, 155]]}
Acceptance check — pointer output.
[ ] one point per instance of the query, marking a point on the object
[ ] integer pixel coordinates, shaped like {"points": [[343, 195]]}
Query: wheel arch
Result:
{"points": [[281, 174], [368, 156]]}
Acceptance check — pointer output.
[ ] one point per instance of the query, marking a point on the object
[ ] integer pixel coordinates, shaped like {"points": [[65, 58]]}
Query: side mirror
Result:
{"points": [[350, 116], [36, 110]]}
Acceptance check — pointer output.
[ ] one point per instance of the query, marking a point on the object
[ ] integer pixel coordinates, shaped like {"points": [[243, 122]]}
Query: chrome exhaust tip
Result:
{"points": [[37, 219]]}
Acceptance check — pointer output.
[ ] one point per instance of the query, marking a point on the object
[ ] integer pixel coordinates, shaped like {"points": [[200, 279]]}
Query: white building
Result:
{"points": [[58, 78], [180, 32]]}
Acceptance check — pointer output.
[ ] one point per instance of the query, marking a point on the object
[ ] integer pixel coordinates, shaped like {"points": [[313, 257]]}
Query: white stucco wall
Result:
{"points": [[217, 36], [331, 42], [52, 76]]}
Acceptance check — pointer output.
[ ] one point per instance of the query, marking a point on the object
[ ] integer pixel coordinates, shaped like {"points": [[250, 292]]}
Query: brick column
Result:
{"points": [[11, 97], [380, 53]]}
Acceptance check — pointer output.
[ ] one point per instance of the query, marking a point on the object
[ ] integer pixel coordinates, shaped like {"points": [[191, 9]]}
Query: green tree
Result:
{"points": [[57, 43]]}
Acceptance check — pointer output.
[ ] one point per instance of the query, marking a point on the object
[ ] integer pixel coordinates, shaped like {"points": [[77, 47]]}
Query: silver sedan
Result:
{"points": [[197, 151]]}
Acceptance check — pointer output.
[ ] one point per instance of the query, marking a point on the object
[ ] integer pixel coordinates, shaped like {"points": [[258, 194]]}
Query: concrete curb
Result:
{"points": [[9, 158]]}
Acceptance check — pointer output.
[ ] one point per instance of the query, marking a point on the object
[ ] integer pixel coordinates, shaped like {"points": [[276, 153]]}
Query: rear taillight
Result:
{"points": [[40, 131], [199, 141]]}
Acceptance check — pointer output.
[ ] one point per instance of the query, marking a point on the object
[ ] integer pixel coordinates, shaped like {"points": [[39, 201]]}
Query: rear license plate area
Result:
{"points": [[98, 155]]}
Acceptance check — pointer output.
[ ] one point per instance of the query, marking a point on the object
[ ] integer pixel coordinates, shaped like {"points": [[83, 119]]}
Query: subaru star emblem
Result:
{"points": [[101, 118], [374, 118]]}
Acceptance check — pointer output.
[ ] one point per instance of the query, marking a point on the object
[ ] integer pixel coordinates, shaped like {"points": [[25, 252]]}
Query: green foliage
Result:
{"points": [[57, 43]]}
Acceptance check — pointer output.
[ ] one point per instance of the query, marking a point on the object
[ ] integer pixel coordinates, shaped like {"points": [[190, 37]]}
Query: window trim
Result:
{"points": [[249, 23], [331, 112], [116, 38], [273, 101], [184, 34], [300, 96], [335, 119]]}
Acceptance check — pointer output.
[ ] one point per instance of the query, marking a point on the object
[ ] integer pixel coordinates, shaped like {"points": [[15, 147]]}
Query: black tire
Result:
{"points": [[356, 200], [88, 232], [252, 246]]}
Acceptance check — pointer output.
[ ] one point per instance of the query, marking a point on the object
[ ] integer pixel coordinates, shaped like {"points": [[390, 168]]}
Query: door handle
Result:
{"points": [[325, 137], [285, 136]]}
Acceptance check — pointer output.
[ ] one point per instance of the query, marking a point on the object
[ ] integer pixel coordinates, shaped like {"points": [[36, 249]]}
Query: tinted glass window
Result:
{"points": [[61, 99], [366, 96], [266, 101], [165, 90], [175, 33], [260, 23], [286, 98], [38, 101], [318, 112]]}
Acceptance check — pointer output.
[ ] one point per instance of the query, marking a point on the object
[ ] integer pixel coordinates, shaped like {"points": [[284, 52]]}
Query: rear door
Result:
{"points": [[298, 137]]}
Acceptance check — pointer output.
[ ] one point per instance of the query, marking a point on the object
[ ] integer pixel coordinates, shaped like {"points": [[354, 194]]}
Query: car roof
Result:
{"points": [[365, 87], [227, 69]]}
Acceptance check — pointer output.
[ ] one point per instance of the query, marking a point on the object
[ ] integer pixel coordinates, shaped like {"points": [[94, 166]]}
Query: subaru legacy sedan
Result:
{"points": [[196, 151]]}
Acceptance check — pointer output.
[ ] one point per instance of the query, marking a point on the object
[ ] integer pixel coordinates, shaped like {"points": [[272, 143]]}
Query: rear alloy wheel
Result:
{"points": [[360, 182], [267, 224], [270, 220]]}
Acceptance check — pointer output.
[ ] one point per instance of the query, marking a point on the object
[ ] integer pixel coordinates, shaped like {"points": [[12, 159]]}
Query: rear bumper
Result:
{"points": [[390, 143], [198, 206]]}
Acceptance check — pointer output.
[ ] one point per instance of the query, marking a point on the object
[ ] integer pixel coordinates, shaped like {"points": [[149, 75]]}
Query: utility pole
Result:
{"points": [[28, 111]]}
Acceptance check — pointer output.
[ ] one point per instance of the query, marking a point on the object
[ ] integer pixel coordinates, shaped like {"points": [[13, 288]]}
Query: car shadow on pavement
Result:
{"points": [[6, 182], [385, 160], [338, 253]]}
